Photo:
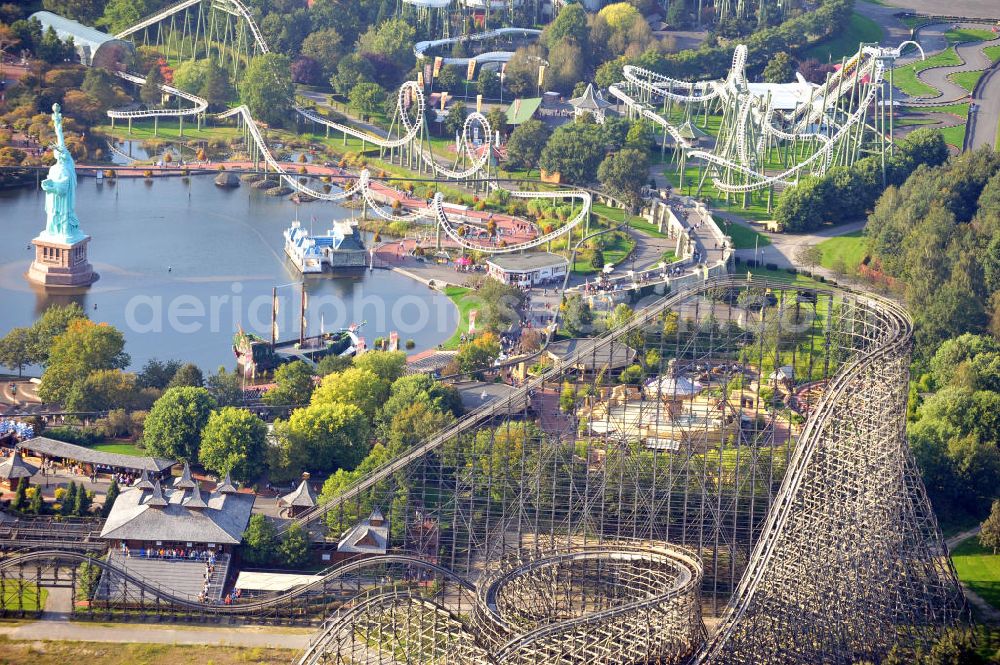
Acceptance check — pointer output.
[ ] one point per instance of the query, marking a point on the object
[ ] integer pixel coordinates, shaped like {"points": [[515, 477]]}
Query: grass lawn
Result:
{"points": [[850, 249], [616, 249], [968, 35], [978, 568], [169, 130], [842, 44], [465, 300], [743, 236], [954, 136], [120, 448], [966, 80], [992, 52], [905, 77], [618, 216], [58, 652], [780, 276], [29, 599]]}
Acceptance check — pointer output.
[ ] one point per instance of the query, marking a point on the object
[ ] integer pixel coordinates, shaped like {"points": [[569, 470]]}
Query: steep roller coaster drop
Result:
{"points": [[408, 124]]}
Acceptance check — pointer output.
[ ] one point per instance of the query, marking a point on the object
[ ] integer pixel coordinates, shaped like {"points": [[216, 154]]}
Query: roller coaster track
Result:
{"points": [[754, 118], [234, 6], [200, 105], [409, 96], [56, 558], [518, 396], [420, 48]]}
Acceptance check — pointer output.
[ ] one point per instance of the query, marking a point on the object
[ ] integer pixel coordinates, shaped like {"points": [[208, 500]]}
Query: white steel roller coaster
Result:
{"points": [[770, 135], [407, 133]]}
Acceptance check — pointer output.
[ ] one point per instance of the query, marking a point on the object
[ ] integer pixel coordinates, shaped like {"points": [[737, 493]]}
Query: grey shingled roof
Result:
{"points": [[590, 100], [301, 497], [223, 521], [52, 448], [14, 467], [185, 482]]}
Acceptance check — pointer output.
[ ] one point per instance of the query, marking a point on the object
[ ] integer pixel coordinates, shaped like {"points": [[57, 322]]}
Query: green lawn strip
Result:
{"points": [[31, 601], [614, 252], [849, 249], [784, 276], [954, 136], [119, 448], [465, 300], [992, 52], [961, 110], [910, 122], [966, 80], [905, 77], [619, 216], [743, 236], [845, 43], [979, 569], [954, 36]]}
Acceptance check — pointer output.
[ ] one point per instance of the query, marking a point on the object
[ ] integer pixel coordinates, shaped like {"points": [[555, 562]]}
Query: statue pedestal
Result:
{"points": [[61, 264]]}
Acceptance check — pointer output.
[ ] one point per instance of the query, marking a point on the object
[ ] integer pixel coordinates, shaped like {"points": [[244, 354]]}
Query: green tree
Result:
{"points": [[623, 175], [84, 11], [151, 92], [577, 316], [780, 69], [393, 39], [989, 533], [85, 347], [454, 121], [103, 390], [574, 151], [567, 65], [187, 375], [234, 442], [121, 14], [190, 75], [569, 24], [260, 541], [68, 499], [53, 322], [173, 428], [324, 437], [20, 500], [325, 47], [109, 498], [216, 87], [225, 387], [386, 365], [597, 260], [479, 353], [352, 70], [356, 385], [567, 397], [294, 385], [101, 85], [488, 84], [82, 501], [37, 504], [526, 143], [366, 98], [267, 88], [16, 349], [294, 549]]}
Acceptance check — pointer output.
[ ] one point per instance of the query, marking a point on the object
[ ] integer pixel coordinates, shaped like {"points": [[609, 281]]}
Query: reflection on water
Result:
{"points": [[182, 265]]}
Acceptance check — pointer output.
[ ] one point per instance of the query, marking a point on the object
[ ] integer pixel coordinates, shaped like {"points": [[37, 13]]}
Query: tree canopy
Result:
{"points": [[174, 425], [267, 88], [234, 442]]}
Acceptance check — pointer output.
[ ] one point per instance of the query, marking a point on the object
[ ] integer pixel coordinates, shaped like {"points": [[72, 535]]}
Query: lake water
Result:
{"points": [[183, 264]]}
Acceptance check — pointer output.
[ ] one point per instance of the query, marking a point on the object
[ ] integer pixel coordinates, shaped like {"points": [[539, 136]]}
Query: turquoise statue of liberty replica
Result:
{"points": [[60, 190], [61, 249]]}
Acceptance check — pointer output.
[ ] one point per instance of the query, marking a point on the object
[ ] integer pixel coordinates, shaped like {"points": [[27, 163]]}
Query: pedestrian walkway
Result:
{"points": [[238, 636]]}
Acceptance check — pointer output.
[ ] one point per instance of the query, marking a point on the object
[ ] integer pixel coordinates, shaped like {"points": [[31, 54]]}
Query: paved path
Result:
{"points": [[242, 636], [970, 53], [967, 8], [984, 119]]}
